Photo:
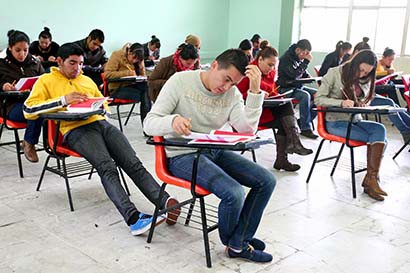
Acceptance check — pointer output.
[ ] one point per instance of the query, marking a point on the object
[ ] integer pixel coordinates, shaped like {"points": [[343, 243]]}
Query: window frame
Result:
{"points": [[351, 7]]}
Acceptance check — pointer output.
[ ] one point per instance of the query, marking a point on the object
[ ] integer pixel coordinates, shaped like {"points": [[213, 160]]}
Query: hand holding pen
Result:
{"points": [[346, 103], [9, 86]]}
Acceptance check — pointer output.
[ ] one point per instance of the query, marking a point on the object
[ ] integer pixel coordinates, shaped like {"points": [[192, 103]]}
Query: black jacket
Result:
{"points": [[92, 58], [45, 54], [331, 60], [12, 70], [291, 68]]}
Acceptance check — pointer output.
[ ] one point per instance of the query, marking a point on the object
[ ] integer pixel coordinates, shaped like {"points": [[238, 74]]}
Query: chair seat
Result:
{"points": [[14, 124], [168, 178], [66, 151], [353, 143]]}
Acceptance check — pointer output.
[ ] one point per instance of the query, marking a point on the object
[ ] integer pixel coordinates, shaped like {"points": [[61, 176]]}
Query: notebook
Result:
{"points": [[26, 83], [91, 104], [219, 137]]}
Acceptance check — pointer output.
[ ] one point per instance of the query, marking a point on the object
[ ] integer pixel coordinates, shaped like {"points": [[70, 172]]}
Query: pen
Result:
{"points": [[14, 82]]}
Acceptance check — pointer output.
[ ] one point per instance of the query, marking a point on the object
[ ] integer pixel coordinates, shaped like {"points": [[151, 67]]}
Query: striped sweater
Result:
{"points": [[47, 92]]}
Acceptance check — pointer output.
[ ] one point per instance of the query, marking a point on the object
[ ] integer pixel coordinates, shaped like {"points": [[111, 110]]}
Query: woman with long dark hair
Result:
{"points": [[350, 85], [336, 57]]}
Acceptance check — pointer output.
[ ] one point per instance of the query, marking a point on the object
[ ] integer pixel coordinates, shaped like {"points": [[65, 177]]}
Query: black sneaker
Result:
{"points": [[309, 134], [250, 254]]}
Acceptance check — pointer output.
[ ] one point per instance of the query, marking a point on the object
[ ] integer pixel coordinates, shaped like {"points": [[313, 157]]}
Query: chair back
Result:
{"points": [[321, 129], [406, 81], [161, 169], [60, 148]]}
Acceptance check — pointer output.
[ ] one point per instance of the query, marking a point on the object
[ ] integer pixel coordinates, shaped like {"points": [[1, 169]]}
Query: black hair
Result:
{"points": [[267, 52], [97, 34], [155, 41], [255, 38], [45, 34], [137, 50], [388, 52], [68, 49], [16, 36], [342, 46], [235, 57], [188, 51], [362, 45], [245, 44], [351, 69], [304, 44]]}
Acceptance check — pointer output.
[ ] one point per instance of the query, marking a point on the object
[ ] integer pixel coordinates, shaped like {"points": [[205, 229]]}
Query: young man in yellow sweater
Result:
{"points": [[102, 144]]}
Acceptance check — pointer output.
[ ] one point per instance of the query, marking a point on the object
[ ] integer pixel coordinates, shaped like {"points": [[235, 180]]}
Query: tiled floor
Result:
{"points": [[309, 228]]}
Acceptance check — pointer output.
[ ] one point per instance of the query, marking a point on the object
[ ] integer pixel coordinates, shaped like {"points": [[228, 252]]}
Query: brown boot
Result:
{"points": [[371, 180], [281, 161], [292, 136], [29, 151]]}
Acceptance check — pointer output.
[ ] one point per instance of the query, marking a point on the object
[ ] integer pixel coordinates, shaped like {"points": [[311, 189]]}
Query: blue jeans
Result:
{"points": [[366, 131], [400, 120], [305, 97], [33, 129], [104, 146], [224, 173]]}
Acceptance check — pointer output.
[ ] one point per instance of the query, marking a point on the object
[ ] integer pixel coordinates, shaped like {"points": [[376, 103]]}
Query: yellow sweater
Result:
{"points": [[47, 92], [381, 70]]}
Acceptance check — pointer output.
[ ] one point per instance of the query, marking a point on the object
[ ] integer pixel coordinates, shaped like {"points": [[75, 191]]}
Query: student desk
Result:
{"points": [[183, 143], [376, 110], [304, 80]]}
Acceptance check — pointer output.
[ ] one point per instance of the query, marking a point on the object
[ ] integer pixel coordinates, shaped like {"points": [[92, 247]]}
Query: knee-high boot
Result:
{"points": [[371, 180], [292, 136], [282, 161]]}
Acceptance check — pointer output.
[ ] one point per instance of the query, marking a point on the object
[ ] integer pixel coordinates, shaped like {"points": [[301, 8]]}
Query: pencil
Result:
{"points": [[14, 82], [344, 93], [129, 68]]}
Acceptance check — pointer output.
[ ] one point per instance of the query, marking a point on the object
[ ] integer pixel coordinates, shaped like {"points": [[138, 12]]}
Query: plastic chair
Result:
{"points": [[321, 129], [406, 82], [197, 192], [53, 142], [118, 103], [13, 126]]}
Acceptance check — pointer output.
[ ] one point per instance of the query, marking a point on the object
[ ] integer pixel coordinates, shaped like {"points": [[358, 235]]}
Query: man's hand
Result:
{"points": [[182, 126], [309, 57], [254, 75], [8, 87], [75, 97], [347, 103], [52, 59]]}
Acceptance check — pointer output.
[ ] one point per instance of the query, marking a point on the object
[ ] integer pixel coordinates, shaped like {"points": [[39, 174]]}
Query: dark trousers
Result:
{"points": [[388, 89], [280, 112], [138, 92], [104, 146], [33, 130]]}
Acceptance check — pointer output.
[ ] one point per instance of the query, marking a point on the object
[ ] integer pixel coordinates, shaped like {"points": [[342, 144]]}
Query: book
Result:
{"points": [[91, 104], [26, 83], [136, 78], [278, 96], [387, 78], [219, 137]]}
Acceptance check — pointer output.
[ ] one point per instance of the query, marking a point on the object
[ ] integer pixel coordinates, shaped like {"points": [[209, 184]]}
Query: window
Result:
{"points": [[384, 22]]}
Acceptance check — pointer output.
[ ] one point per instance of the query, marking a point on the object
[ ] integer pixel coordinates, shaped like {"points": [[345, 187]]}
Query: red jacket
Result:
{"points": [[267, 84]]}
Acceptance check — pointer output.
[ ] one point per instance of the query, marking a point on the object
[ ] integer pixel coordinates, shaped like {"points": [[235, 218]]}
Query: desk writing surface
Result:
{"points": [[381, 109], [14, 94], [181, 142], [305, 80], [276, 102], [69, 116]]}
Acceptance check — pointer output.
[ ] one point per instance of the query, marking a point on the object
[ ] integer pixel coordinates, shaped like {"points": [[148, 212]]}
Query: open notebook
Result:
{"points": [[219, 137], [26, 83], [91, 104]]}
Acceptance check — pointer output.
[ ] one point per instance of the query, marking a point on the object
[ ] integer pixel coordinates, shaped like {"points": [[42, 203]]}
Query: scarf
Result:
{"points": [[178, 64]]}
